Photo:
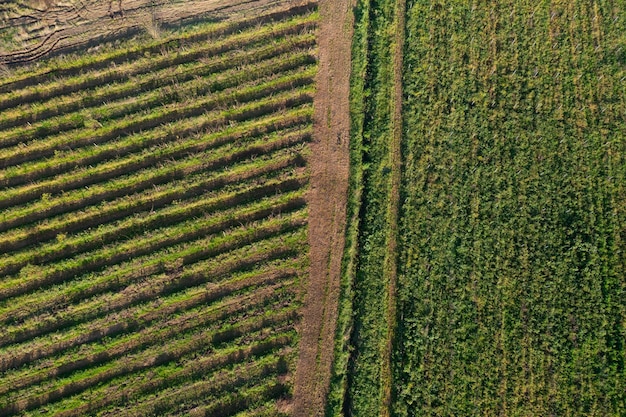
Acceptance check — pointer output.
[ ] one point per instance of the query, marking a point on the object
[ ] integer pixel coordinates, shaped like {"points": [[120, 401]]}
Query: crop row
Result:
{"points": [[252, 175], [183, 343], [172, 235], [169, 216], [167, 352], [204, 367], [209, 77], [59, 272], [185, 157], [156, 197], [168, 77], [246, 284], [120, 131], [214, 389], [191, 292], [148, 84], [93, 355], [182, 346], [271, 118], [118, 149], [91, 80], [178, 293], [154, 223]]}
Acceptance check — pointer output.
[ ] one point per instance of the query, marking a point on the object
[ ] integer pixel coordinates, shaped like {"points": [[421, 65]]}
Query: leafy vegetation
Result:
{"points": [[512, 212], [359, 383], [153, 225]]}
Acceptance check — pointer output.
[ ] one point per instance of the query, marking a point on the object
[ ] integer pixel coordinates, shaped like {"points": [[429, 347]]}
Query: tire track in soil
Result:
{"points": [[62, 30], [329, 166]]}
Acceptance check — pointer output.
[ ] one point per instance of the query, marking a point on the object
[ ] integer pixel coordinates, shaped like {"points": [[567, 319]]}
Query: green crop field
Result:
{"points": [[185, 229], [507, 292], [153, 222]]}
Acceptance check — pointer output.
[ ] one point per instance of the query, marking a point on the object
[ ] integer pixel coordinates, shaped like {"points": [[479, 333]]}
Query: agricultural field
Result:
{"points": [[153, 221], [34, 29], [485, 262], [313, 208]]}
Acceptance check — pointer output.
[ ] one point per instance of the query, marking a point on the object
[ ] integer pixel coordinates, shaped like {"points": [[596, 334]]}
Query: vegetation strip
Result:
{"points": [[391, 258], [235, 73], [88, 176], [91, 62], [214, 223], [154, 221], [510, 216], [115, 322], [221, 151], [375, 152], [165, 78], [51, 146], [216, 296], [154, 199]]}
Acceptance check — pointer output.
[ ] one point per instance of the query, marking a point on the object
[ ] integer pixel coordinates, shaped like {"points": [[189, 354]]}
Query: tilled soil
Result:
{"points": [[329, 166], [75, 24]]}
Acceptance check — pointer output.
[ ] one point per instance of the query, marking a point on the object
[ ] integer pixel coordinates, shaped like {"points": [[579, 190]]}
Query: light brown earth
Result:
{"points": [[38, 27], [329, 166]]}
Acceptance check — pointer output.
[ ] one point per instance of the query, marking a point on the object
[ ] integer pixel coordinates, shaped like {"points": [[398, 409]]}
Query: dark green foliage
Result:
{"points": [[512, 289], [511, 281]]}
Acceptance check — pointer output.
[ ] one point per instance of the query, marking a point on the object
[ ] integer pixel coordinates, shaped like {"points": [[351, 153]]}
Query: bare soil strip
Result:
{"points": [[391, 258], [329, 166]]}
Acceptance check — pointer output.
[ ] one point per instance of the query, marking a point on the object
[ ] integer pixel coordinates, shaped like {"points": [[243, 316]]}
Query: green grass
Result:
{"points": [[358, 384], [154, 223], [511, 249]]}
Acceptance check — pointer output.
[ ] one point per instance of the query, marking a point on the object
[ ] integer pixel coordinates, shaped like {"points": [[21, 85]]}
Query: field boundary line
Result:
{"points": [[391, 257], [327, 198]]}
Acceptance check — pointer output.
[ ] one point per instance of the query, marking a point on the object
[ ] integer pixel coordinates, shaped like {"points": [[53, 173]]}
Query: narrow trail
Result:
{"points": [[391, 257], [329, 165]]}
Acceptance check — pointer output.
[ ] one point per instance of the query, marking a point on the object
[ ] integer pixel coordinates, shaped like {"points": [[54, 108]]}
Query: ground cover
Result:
{"points": [[510, 247], [154, 222]]}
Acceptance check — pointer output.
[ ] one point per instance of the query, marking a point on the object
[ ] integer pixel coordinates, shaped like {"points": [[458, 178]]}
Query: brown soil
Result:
{"points": [[76, 24], [329, 164]]}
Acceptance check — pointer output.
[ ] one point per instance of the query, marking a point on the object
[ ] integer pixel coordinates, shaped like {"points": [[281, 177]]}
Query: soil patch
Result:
{"points": [[60, 27], [329, 165]]}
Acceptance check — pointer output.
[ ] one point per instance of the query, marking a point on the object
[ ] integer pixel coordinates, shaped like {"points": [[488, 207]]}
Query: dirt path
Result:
{"points": [[329, 166], [391, 257]]}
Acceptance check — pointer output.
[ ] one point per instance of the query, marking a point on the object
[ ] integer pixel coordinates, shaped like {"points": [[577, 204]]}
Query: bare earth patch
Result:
{"points": [[329, 166], [38, 28]]}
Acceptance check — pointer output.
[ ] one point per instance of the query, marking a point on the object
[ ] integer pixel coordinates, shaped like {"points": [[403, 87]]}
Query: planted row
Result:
{"points": [[133, 317], [52, 147], [218, 294], [91, 62], [173, 235], [192, 139], [149, 64], [113, 101], [208, 178]]}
